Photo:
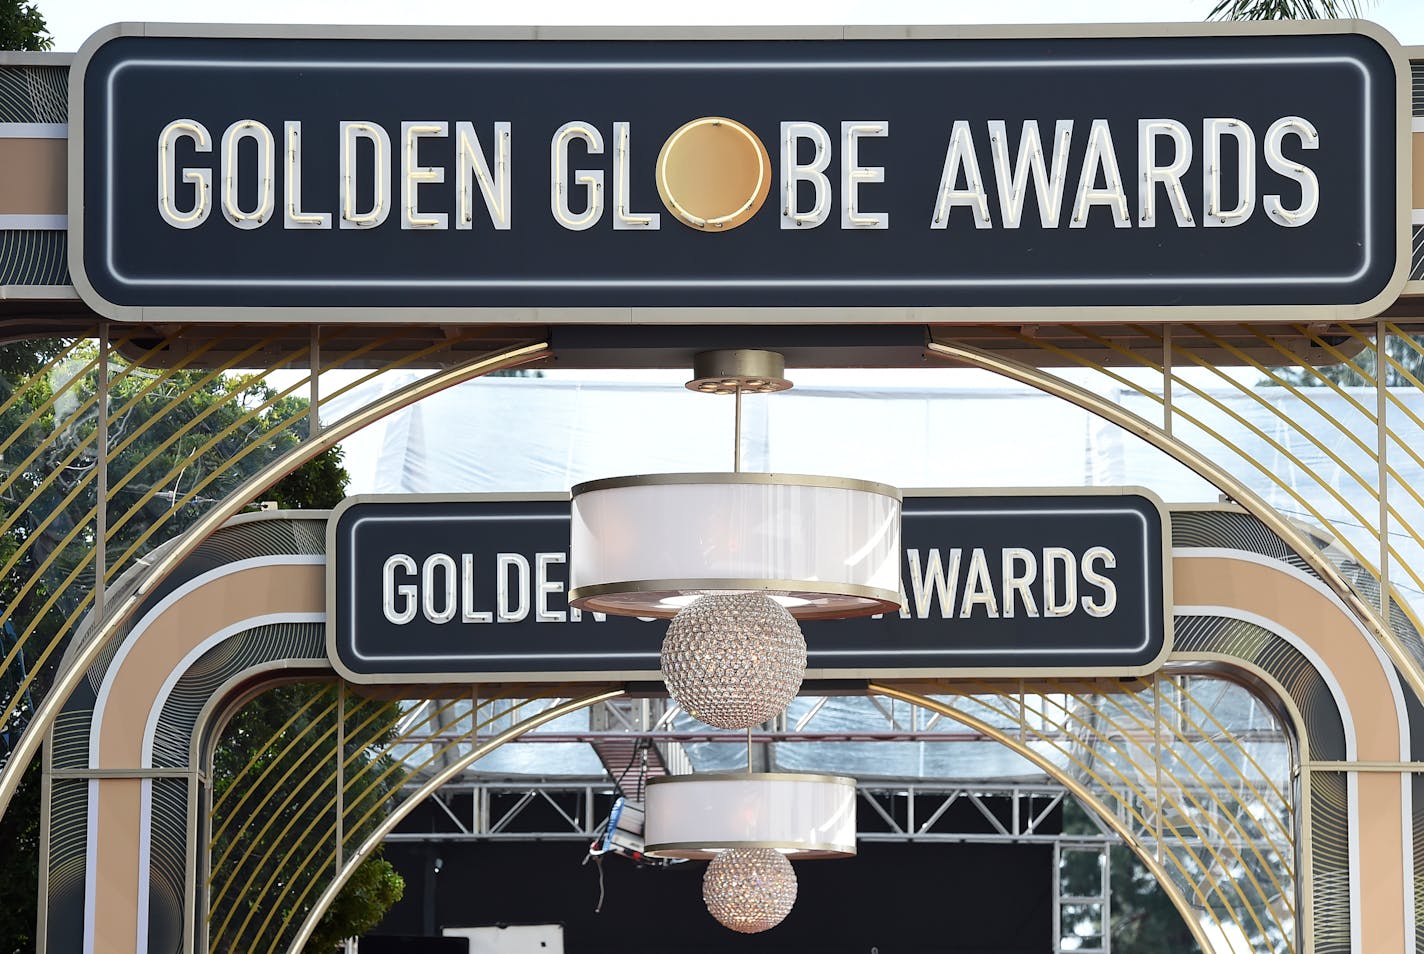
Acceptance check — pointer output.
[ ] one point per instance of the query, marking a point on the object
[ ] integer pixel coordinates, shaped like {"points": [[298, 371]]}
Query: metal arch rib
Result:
{"points": [[431, 785], [1102, 813], [1208, 470], [118, 613]]}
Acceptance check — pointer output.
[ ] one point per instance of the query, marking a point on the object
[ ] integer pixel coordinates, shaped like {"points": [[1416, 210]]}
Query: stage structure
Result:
{"points": [[183, 202]]}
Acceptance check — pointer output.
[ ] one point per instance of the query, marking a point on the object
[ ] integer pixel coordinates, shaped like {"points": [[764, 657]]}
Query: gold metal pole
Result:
{"points": [[1167, 379], [737, 435], [101, 462], [1382, 452]]}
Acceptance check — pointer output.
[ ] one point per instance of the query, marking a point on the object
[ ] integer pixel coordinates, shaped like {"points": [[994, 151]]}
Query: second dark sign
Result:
{"points": [[471, 589]]}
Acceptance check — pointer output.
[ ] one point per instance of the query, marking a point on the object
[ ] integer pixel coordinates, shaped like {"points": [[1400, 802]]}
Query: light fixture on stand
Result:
{"points": [[736, 559]]}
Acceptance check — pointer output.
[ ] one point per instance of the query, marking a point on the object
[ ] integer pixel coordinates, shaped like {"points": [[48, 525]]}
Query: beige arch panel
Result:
{"points": [[200, 612], [202, 622], [1279, 597], [1372, 845]]}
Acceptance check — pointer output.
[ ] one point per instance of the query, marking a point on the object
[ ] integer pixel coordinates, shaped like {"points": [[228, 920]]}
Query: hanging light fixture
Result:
{"points": [[823, 547], [736, 559], [752, 826]]}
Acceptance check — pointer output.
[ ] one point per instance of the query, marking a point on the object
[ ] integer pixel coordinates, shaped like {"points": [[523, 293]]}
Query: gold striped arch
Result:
{"points": [[1210, 806], [95, 402], [88, 466]]}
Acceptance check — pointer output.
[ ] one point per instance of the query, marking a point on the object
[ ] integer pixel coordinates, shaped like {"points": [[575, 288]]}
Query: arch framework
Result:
{"points": [[1319, 858]]}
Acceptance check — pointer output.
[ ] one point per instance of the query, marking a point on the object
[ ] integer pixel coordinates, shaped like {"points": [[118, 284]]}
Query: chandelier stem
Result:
{"points": [[737, 436]]}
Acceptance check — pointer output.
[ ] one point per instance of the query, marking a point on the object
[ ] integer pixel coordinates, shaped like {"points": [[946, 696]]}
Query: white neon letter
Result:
{"points": [[266, 187], [543, 586], [1170, 175], [202, 179], [623, 219], [1015, 582], [1216, 217], [508, 611], [1303, 176], [351, 133], [1053, 558], [793, 173], [934, 583], [390, 591], [413, 174], [292, 215], [961, 153], [978, 587], [854, 175], [431, 594], [590, 179], [471, 169], [1013, 180], [1100, 154], [1094, 578], [468, 613]]}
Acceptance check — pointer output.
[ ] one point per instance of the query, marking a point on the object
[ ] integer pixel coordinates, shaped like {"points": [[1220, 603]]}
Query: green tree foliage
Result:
{"points": [[1144, 920], [273, 737], [20, 834], [320, 484], [22, 27], [1285, 9], [1409, 363], [168, 435], [27, 418], [52, 448]]}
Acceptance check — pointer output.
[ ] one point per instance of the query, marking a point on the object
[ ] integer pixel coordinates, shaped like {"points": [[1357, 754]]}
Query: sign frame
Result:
{"points": [[813, 672], [693, 315]]}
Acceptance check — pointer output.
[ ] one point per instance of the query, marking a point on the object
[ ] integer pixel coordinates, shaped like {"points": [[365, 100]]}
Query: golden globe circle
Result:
{"points": [[713, 173]]}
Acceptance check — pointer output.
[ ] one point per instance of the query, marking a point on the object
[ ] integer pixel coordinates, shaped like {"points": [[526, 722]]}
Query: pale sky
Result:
{"points": [[72, 21]]}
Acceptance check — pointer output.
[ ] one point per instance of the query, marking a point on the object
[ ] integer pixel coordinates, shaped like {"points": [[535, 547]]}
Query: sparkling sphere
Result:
{"points": [[733, 661], [749, 889]]}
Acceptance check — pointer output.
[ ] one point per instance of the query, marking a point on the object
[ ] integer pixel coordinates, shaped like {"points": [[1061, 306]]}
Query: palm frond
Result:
{"points": [[1286, 9]]}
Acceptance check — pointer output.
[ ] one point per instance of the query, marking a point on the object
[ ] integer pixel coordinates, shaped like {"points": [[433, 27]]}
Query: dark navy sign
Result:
{"points": [[465, 589], [382, 177]]}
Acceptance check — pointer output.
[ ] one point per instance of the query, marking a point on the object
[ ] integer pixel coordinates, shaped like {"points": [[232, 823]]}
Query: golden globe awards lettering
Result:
{"points": [[989, 192]]}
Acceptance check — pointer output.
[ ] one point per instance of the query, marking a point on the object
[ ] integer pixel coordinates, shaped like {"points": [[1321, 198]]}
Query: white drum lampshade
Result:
{"points": [[700, 815], [823, 547]]}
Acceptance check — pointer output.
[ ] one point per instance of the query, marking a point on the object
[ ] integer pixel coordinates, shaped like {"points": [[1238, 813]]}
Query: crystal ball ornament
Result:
{"points": [[733, 661], [749, 890]]}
